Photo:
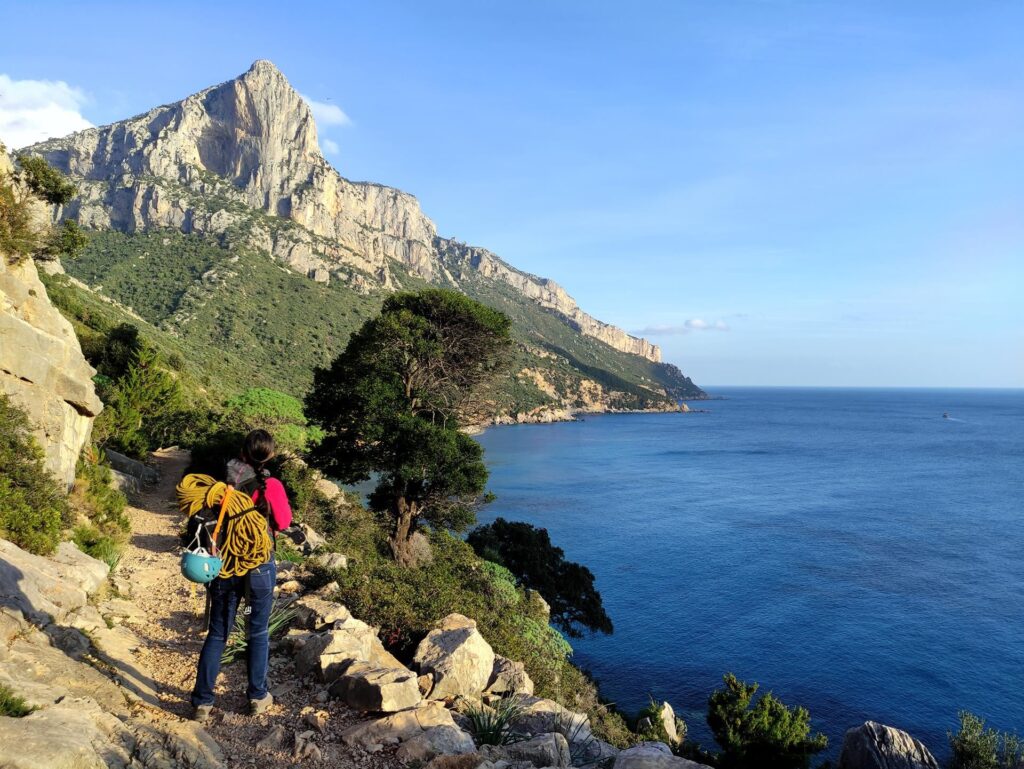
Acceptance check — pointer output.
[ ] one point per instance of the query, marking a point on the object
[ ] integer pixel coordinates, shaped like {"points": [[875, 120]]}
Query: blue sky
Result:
{"points": [[779, 193]]}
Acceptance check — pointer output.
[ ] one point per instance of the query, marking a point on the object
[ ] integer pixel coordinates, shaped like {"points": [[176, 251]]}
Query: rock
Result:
{"points": [[74, 733], [652, 755], [318, 720], [541, 751], [290, 586], [42, 368], [132, 467], [439, 740], [47, 590], [314, 541], [314, 613], [329, 653], [332, 560], [876, 746], [540, 716], [382, 690], [305, 748], [667, 721], [426, 683], [116, 648], [457, 656], [405, 724], [119, 607], [463, 761], [329, 489], [161, 742], [508, 677], [274, 739], [130, 486]]}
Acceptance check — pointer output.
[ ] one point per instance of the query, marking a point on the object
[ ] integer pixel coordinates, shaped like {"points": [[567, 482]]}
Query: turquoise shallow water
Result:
{"points": [[852, 550]]}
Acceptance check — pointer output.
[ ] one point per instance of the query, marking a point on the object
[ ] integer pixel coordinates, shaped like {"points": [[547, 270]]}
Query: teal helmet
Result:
{"points": [[200, 567]]}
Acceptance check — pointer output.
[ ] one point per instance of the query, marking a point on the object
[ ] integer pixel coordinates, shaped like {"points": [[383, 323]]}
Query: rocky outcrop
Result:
{"points": [[42, 369], [243, 157], [877, 746], [457, 656], [509, 677], [653, 755], [366, 687]]}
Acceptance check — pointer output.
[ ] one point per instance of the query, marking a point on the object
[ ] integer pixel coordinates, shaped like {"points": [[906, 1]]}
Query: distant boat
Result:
{"points": [[945, 415]]}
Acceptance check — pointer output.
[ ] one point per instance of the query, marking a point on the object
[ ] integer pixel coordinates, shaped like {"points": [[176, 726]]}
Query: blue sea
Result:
{"points": [[853, 551]]}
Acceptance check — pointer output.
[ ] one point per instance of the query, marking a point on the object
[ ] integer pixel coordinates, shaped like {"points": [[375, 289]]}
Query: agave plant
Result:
{"points": [[493, 726], [238, 643]]}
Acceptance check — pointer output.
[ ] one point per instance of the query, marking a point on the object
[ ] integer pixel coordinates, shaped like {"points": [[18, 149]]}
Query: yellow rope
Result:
{"points": [[246, 541]]}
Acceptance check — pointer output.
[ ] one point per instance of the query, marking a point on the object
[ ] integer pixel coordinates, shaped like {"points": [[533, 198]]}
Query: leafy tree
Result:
{"points": [[274, 411], [975, 747], [568, 587], [767, 735], [66, 240], [33, 508], [45, 181], [392, 404]]}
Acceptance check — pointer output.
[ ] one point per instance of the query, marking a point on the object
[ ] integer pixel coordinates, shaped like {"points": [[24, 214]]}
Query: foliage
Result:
{"points": [[393, 401], [977, 747], [11, 705], [92, 541], [238, 643], [18, 239], [33, 508], [67, 239], [656, 731], [276, 412], [767, 734], [493, 725], [45, 181], [95, 498], [526, 551]]}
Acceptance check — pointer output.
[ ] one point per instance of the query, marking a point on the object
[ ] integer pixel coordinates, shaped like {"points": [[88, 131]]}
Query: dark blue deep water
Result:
{"points": [[851, 550]]}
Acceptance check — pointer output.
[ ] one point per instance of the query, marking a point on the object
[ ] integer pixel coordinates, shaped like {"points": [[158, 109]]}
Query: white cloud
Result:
{"points": [[34, 110], [693, 324], [330, 146], [327, 114]]}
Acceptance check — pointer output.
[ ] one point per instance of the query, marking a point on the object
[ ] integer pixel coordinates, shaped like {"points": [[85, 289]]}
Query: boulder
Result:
{"points": [[541, 751], [329, 489], [143, 473], [457, 656], [508, 677], [876, 746], [73, 733], [540, 716], [42, 368], [667, 720], [313, 540], [436, 741], [461, 761], [653, 755], [403, 725], [381, 690], [47, 590], [314, 613], [328, 654], [332, 560]]}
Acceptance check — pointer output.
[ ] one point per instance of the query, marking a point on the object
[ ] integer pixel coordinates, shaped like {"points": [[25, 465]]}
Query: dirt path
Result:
{"points": [[172, 634]]}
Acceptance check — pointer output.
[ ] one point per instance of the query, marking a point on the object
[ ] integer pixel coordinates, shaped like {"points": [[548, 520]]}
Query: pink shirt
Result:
{"points": [[278, 499]]}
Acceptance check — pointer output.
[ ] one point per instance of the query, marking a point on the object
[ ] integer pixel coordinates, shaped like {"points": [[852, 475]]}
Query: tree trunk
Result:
{"points": [[405, 519]]}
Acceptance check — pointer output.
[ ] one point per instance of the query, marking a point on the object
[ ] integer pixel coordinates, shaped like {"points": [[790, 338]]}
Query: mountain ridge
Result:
{"points": [[240, 162]]}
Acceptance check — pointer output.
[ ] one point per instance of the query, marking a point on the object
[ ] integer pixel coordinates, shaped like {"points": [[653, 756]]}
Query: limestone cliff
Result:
{"points": [[209, 162], [41, 364]]}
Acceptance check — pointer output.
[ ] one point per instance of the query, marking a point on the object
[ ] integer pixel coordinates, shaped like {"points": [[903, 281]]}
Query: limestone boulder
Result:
{"points": [[541, 716], [332, 561], [877, 746], [364, 686], [47, 589], [313, 539], [403, 725], [314, 613], [73, 733], [666, 717], [457, 655], [508, 677], [328, 654], [653, 755], [436, 741], [543, 750]]}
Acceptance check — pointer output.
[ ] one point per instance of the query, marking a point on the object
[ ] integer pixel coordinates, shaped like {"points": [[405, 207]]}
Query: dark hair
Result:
{"points": [[258, 448]]}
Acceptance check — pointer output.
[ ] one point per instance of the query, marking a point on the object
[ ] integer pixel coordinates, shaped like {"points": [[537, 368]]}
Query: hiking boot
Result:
{"points": [[260, 706], [201, 713]]}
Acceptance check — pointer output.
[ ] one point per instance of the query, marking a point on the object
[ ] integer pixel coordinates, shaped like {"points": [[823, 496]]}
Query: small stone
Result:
{"points": [[273, 740], [374, 748], [322, 696], [291, 586], [318, 720]]}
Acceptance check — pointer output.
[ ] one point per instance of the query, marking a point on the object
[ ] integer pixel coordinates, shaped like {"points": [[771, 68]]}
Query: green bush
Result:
{"points": [[975, 747], [33, 507], [18, 240], [11, 705], [276, 412], [767, 735], [94, 494], [45, 181], [656, 731], [92, 541]]}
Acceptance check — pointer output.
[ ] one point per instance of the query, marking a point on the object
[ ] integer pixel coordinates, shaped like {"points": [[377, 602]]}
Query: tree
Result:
{"points": [[276, 412], [45, 181], [768, 735], [978, 747], [568, 587], [393, 402], [66, 240]]}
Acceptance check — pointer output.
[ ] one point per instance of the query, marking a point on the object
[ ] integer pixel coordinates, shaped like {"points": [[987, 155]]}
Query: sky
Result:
{"points": [[776, 192]]}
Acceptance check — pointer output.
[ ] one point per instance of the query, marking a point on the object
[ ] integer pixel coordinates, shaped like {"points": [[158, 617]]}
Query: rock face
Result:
{"points": [[253, 140], [457, 656], [41, 365], [876, 746], [653, 755], [509, 677]]}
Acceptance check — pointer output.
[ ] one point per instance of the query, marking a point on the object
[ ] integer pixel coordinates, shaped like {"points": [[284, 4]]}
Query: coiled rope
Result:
{"points": [[246, 542]]}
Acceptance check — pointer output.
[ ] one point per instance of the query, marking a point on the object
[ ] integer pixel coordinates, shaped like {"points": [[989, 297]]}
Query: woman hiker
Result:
{"points": [[257, 586]]}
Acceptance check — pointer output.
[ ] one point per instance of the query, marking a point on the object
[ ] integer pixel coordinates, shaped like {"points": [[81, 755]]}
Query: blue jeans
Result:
{"points": [[224, 597]]}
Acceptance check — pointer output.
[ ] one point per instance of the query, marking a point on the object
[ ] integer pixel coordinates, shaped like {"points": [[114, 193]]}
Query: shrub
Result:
{"points": [[45, 181], [656, 731], [18, 239], [92, 541], [975, 747], [33, 507], [493, 725], [94, 494], [278, 413], [768, 735], [11, 705]]}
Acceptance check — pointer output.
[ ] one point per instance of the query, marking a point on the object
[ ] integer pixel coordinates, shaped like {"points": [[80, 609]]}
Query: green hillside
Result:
{"points": [[238, 318]]}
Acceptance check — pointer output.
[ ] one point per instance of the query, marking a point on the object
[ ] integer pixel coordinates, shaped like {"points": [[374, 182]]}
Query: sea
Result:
{"points": [[859, 552]]}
